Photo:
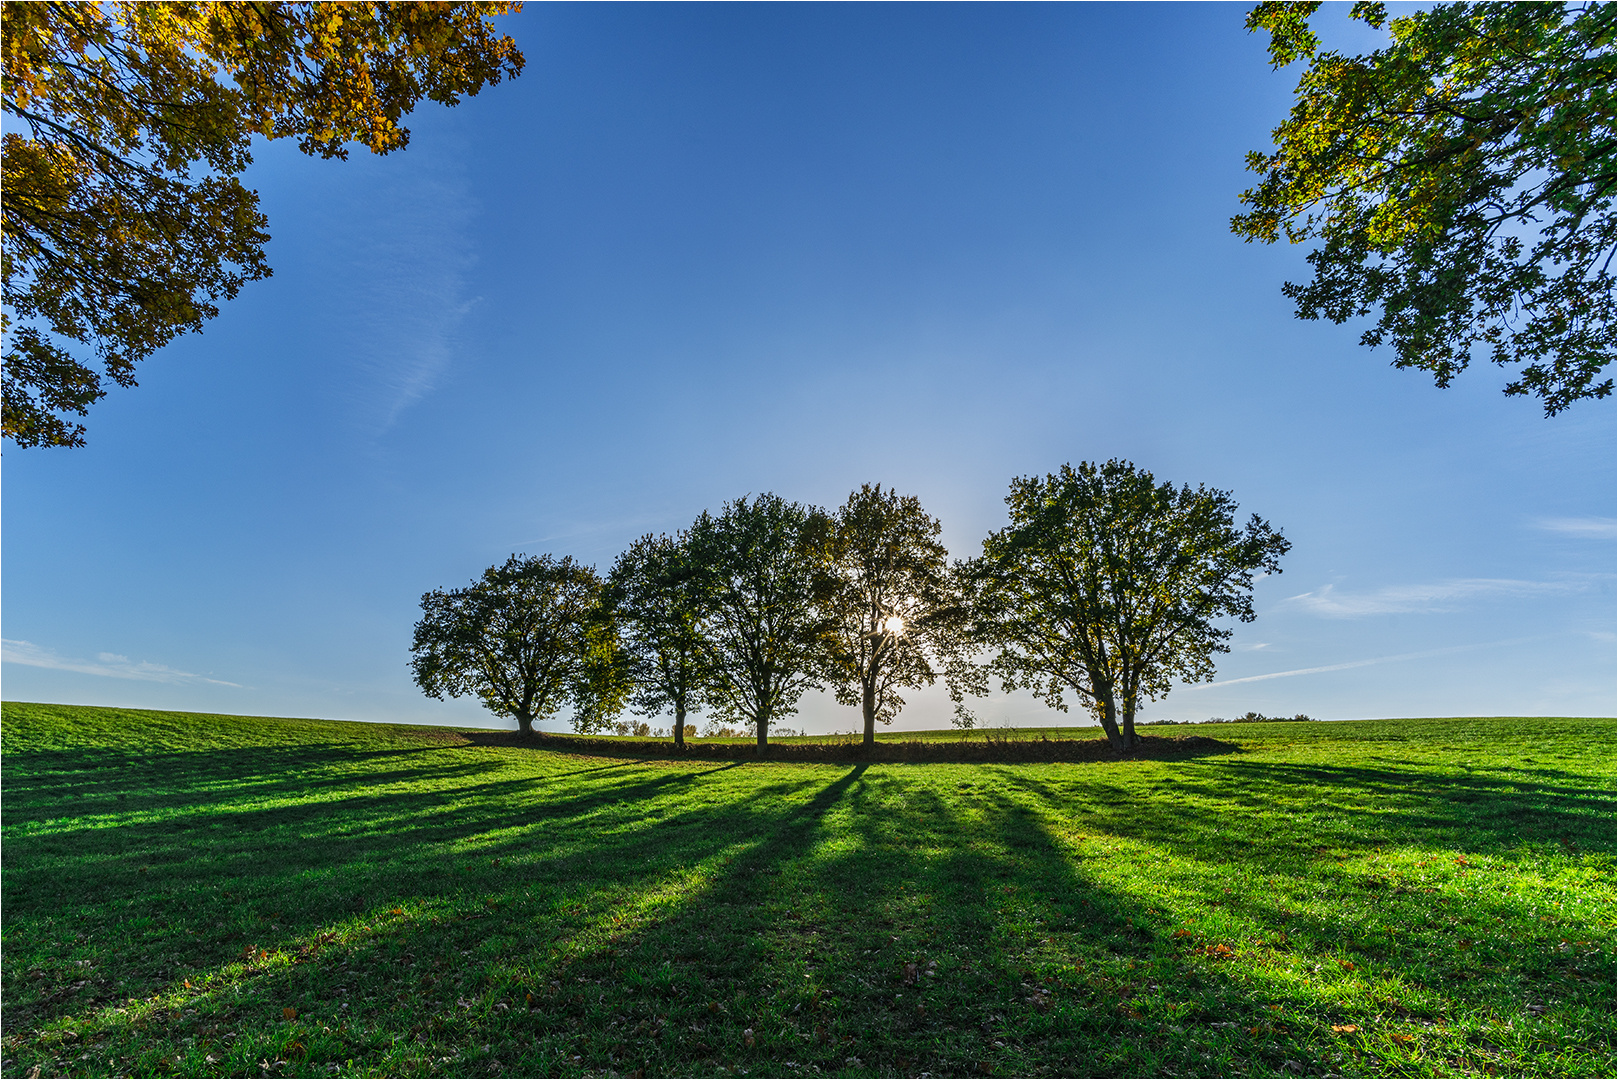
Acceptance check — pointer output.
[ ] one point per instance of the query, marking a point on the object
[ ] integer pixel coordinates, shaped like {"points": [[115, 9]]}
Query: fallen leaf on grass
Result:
{"points": [[289, 1013], [1345, 1029], [1403, 1038]]}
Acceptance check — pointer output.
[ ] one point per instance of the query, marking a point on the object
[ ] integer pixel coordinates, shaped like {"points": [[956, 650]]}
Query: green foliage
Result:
{"points": [[124, 218], [657, 593], [763, 567], [191, 895], [897, 616], [1460, 182], [1106, 585], [528, 638]]}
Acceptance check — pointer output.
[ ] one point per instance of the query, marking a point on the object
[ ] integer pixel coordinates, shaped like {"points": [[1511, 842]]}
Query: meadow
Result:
{"points": [[201, 895]]}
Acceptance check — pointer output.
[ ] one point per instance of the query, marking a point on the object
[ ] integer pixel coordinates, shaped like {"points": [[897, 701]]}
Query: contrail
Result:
{"points": [[1355, 664]]}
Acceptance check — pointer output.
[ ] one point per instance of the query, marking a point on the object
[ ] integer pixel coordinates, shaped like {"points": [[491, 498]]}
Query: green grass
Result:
{"points": [[211, 895]]}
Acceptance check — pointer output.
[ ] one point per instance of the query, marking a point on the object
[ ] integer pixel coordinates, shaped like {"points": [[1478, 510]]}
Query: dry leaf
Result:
{"points": [[1345, 1029], [1404, 1038], [289, 1013]]}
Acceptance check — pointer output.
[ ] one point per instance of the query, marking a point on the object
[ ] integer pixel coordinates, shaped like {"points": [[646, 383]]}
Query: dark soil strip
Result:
{"points": [[987, 749]]}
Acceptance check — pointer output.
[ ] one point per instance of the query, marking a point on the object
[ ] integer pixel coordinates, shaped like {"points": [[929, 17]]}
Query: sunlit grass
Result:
{"points": [[198, 895]]}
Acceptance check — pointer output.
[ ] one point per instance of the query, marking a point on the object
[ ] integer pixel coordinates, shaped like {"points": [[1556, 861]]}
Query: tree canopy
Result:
{"points": [[528, 638], [1460, 182], [129, 124], [895, 615], [1106, 585], [764, 571], [657, 596]]}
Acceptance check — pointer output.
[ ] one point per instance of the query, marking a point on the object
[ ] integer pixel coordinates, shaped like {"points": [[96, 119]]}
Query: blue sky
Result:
{"points": [[696, 252]]}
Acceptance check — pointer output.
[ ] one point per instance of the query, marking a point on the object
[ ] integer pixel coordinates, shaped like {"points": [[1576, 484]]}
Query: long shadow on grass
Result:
{"points": [[856, 920], [201, 843], [1291, 853], [284, 873], [893, 931]]}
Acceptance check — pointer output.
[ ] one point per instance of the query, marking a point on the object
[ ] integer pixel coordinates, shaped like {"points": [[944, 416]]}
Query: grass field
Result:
{"points": [[212, 895]]}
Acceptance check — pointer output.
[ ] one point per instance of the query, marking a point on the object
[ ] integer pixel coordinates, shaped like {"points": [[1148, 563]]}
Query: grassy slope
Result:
{"points": [[212, 895]]}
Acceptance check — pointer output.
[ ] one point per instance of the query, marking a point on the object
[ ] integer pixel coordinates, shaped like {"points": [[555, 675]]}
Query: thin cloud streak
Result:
{"points": [[109, 665], [409, 265], [1440, 596], [1589, 528], [1355, 664]]}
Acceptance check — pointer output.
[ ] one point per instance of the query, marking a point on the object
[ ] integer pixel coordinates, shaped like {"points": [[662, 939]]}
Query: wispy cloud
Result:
{"points": [[1356, 664], [406, 284], [1437, 596], [1588, 528], [111, 665]]}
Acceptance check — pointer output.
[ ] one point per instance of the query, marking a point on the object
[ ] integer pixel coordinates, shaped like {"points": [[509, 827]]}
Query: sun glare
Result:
{"points": [[893, 624]]}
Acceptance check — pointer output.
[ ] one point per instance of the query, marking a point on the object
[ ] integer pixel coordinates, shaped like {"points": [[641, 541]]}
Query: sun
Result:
{"points": [[894, 624]]}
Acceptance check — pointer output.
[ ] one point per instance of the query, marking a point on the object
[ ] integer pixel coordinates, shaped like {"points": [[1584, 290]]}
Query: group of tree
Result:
{"points": [[1104, 589]]}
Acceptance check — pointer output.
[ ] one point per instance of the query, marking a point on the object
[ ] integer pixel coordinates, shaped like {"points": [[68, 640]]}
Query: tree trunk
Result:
{"points": [[525, 722], [869, 707], [1131, 740], [679, 726], [1109, 721], [763, 733]]}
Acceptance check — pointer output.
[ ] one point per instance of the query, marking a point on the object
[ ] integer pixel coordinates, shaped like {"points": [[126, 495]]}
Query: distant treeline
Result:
{"points": [[1246, 718]]}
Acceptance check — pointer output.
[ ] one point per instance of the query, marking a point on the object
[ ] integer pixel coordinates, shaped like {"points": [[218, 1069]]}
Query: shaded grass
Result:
{"points": [[200, 895]]}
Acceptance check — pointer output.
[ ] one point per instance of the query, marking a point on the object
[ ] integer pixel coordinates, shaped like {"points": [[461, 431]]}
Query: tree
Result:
{"points": [[1461, 183], [124, 218], [657, 598], [528, 637], [763, 572], [896, 616], [1106, 585]]}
